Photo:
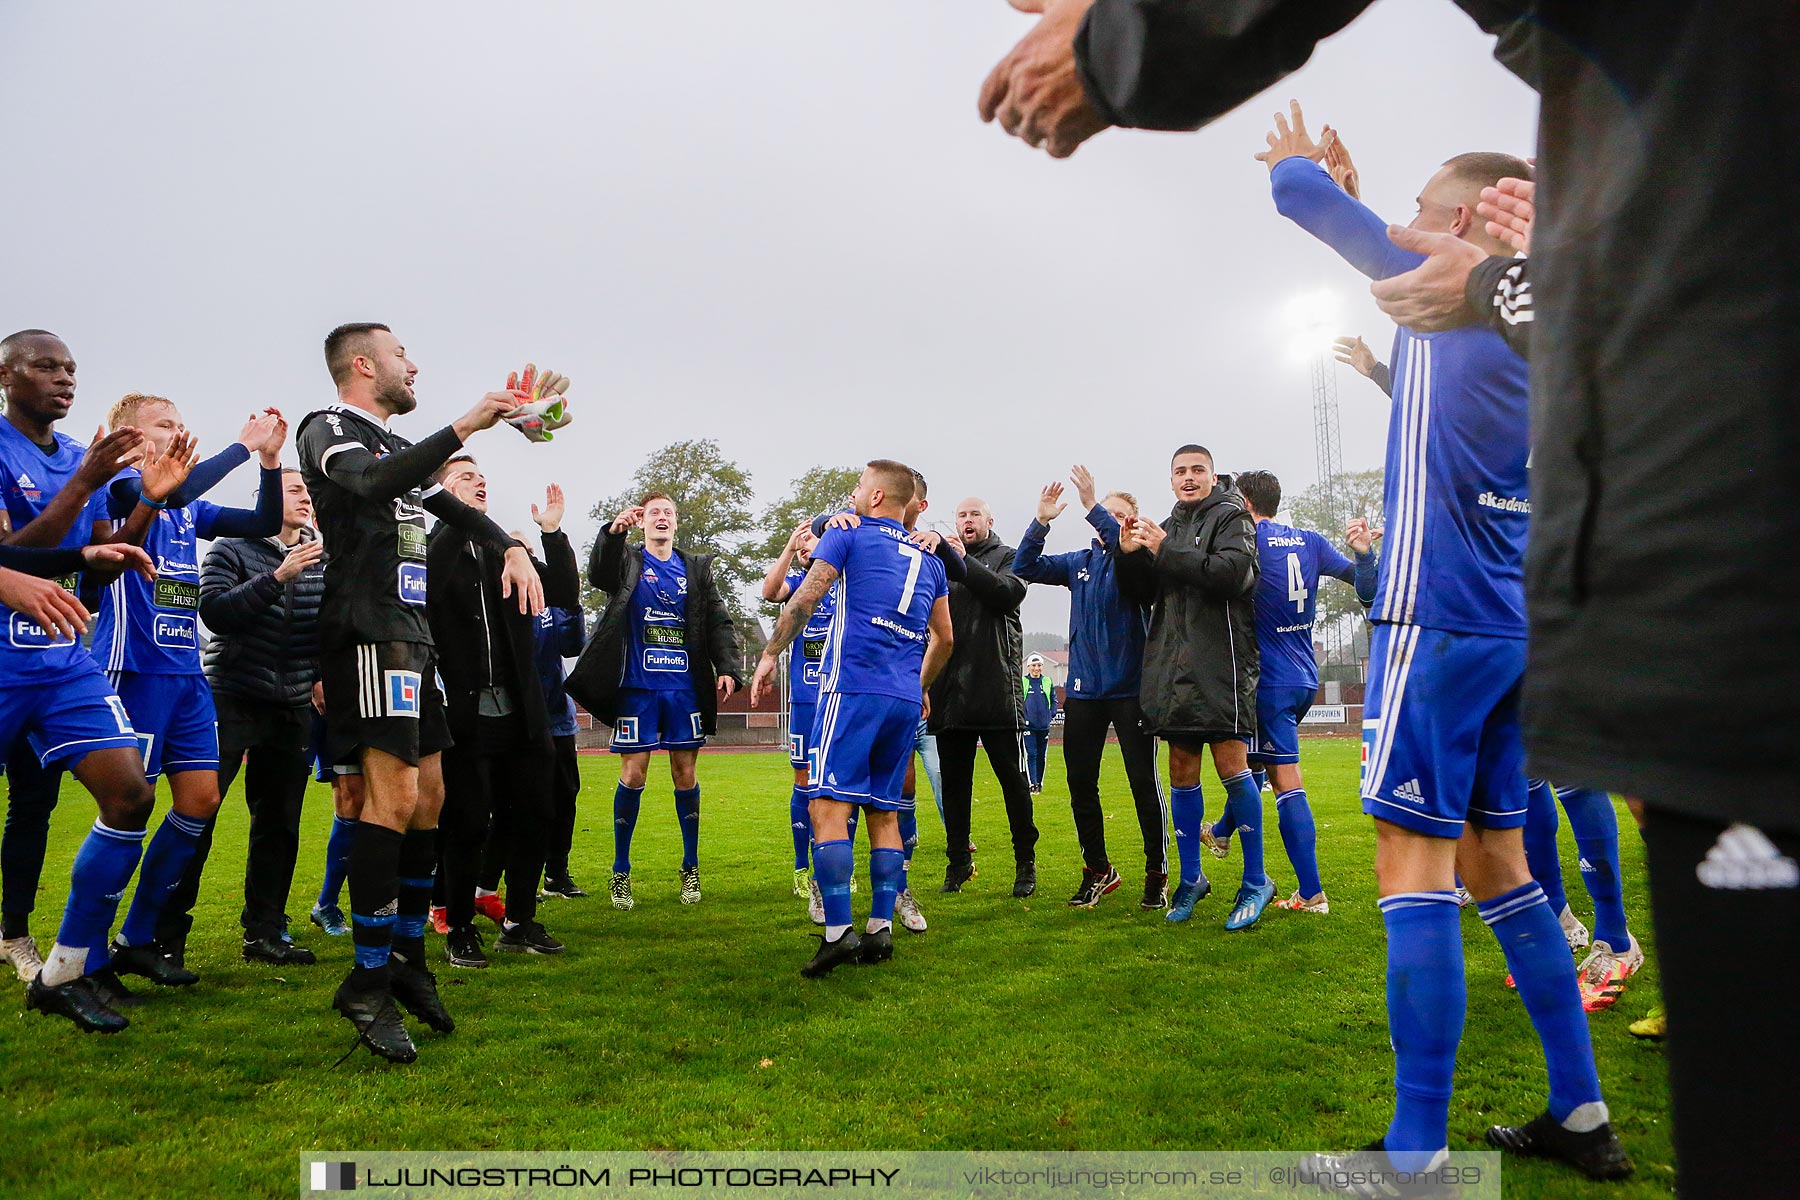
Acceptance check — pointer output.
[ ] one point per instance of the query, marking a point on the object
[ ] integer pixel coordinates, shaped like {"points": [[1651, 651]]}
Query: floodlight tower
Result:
{"points": [[1313, 317]]}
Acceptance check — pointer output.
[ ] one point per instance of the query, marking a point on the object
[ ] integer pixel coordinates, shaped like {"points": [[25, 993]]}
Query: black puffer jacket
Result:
{"points": [[1200, 659], [979, 688], [709, 636], [265, 636]]}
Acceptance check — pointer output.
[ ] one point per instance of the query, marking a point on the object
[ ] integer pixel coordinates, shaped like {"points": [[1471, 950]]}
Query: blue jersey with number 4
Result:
{"points": [[806, 661], [30, 477], [885, 589], [153, 628], [1293, 561], [658, 660]]}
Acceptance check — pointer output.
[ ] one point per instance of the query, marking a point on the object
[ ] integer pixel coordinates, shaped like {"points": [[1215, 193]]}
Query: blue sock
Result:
{"points": [[1426, 999], [909, 842], [687, 811], [851, 821], [1538, 956], [833, 863], [1262, 778], [1301, 838], [1226, 825], [1187, 809], [626, 801], [415, 874], [337, 860], [884, 881], [801, 820], [1596, 829], [166, 859], [103, 867], [1541, 857], [1244, 802]]}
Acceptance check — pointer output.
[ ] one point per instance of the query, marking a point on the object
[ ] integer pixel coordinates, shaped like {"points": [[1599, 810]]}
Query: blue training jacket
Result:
{"points": [[1106, 630], [560, 633]]}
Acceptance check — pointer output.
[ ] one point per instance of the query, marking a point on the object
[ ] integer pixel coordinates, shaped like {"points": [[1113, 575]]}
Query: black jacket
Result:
{"points": [[709, 636], [1665, 363], [265, 635], [1200, 658], [465, 589], [979, 687]]}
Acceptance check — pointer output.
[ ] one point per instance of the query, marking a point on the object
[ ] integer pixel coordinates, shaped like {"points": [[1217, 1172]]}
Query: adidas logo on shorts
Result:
{"points": [[1410, 792], [1745, 859]]}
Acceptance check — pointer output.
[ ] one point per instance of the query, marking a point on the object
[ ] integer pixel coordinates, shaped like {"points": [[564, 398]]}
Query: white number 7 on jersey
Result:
{"points": [[910, 551]]}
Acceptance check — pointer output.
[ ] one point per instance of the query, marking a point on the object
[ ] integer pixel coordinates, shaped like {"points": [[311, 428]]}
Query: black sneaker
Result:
{"points": [[462, 948], [877, 947], [1596, 1153], [834, 954], [377, 1021], [1094, 884], [955, 877], [527, 937], [276, 952], [76, 1000], [1024, 879], [1156, 891], [112, 990], [562, 887], [149, 962], [1369, 1175], [415, 989]]}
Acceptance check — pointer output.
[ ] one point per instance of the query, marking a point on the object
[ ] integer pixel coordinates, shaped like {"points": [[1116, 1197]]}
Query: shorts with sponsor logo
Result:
{"points": [[63, 722], [1441, 742], [1279, 711], [176, 723], [800, 734], [384, 696], [657, 719], [862, 744]]}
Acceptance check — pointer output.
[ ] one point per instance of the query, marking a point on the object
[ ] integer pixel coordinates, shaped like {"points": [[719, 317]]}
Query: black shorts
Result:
{"points": [[1195, 740], [384, 696]]}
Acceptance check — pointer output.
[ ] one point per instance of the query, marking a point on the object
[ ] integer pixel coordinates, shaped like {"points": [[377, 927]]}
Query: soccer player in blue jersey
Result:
{"points": [[148, 642], [1444, 759], [889, 639], [1292, 563], [1615, 955], [56, 707]]}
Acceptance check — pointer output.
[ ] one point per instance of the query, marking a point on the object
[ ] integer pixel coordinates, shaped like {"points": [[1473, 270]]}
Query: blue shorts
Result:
{"points": [[1441, 742], [1279, 711], [800, 734], [63, 721], [861, 746], [657, 720], [177, 726]]}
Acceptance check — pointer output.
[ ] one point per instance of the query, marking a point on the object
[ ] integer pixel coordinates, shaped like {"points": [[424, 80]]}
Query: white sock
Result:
{"points": [[1587, 1117], [876, 925], [506, 925], [834, 932], [63, 965]]}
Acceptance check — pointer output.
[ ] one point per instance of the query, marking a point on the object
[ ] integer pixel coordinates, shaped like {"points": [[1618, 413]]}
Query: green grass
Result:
{"points": [[1010, 1025]]}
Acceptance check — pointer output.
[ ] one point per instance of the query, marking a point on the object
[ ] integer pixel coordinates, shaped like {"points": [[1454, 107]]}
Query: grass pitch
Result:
{"points": [[1009, 1025]]}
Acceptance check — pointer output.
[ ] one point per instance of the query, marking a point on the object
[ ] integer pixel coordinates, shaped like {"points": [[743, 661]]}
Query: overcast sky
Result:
{"points": [[778, 225]]}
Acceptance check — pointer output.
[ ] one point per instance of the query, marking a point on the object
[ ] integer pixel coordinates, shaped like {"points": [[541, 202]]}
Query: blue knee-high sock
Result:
{"points": [[1300, 836], [687, 811], [1538, 956], [166, 860], [337, 860], [1244, 802], [1426, 998], [103, 868], [1541, 857], [909, 842], [885, 870], [851, 821], [833, 863], [1187, 809], [1596, 829], [1262, 778], [801, 820], [626, 802]]}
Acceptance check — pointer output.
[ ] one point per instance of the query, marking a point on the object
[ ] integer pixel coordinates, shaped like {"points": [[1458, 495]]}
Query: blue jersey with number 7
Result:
{"points": [[885, 591]]}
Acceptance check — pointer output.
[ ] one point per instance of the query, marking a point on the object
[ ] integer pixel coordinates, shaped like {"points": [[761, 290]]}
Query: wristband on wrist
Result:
{"points": [[147, 502]]}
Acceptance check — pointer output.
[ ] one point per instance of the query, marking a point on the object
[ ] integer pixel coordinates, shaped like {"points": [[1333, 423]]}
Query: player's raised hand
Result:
{"points": [[1429, 298], [1354, 352], [631, 518], [1510, 207], [549, 518], [1337, 161], [1290, 141], [1049, 507], [843, 520], [54, 611], [517, 574], [544, 410], [255, 433], [1151, 534], [303, 555], [1083, 479], [117, 558], [1035, 91], [106, 454], [271, 449], [488, 412], [161, 473], [1359, 537], [797, 539], [927, 540], [759, 682]]}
